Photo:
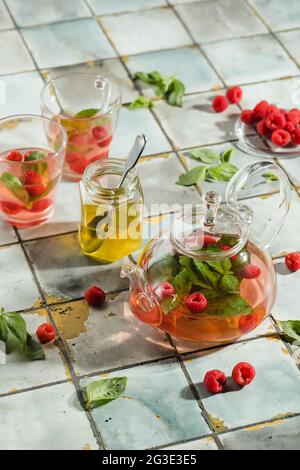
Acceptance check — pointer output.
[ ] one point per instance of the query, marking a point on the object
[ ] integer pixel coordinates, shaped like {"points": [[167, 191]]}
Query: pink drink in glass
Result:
{"points": [[29, 174]]}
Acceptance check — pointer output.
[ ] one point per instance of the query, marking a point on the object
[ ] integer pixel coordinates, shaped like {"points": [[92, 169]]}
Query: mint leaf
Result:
{"points": [[100, 392], [204, 155], [38, 167], [226, 155], [222, 172], [194, 176], [87, 113], [152, 78], [206, 274], [141, 102], [175, 93], [229, 305], [13, 333], [270, 177], [182, 283], [169, 304], [222, 266], [165, 269], [291, 328], [15, 186], [229, 283]]}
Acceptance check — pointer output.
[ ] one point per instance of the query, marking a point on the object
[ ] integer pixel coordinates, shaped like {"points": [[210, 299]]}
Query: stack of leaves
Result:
{"points": [[218, 281], [13, 333], [169, 88]]}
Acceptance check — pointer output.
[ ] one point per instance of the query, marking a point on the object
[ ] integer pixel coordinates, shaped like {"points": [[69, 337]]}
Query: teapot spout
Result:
{"points": [[136, 276]]}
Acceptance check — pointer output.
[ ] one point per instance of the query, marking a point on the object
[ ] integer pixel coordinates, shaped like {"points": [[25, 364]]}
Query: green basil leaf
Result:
{"points": [[226, 155], [222, 266], [221, 172], [152, 78], [204, 155], [141, 102], [206, 274], [182, 283], [194, 176], [291, 328], [87, 113], [270, 177], [100, 392], [16, 327], [229, 283], [229, 305], [175, 93], [15, 186], [33, 350], [38, 167], [3, 330], [187, 263], [168, 304]]}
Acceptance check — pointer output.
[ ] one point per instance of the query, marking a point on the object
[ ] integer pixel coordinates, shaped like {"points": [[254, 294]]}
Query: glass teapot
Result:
{"points": [[211, 278]]}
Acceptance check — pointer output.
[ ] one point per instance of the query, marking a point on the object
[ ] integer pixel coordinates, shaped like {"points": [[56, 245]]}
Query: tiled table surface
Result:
{"points": [[210, 44]]}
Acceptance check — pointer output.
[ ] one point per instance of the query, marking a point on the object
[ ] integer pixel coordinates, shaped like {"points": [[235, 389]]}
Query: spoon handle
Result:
{"points": [[133, 156]]}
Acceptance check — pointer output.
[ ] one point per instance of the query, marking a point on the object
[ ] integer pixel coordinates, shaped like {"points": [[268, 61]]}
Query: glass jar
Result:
{"points": [[111, 217]]}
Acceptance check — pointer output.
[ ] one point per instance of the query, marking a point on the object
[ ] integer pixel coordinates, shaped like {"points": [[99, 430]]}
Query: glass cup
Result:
{"points": [[87, 106], [32, 150]]}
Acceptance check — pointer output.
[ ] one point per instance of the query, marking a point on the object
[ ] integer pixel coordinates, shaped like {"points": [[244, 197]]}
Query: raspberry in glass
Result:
{"points": [[281, 138]]}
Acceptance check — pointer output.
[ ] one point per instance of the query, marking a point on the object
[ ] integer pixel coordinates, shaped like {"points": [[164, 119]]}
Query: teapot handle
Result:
{"points": [[252, 170]]}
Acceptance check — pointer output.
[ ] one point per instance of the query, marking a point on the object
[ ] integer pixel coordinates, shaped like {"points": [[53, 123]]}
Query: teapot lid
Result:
{"points": [[202, 230]]}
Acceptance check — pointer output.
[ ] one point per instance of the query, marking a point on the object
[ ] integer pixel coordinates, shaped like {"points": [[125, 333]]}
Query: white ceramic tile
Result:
{"points": [[195, 123], [104, 7], [132, 123], [259, 58], [124, 340], [290, 40], [17, 287], [7, 233], [222, 19], [14, 57], [67, 43], [66, 216], [207, 443], [45, 419], [279, 14], [5, 20], [285, 93], [20, 373], [32, 12], [286, 306], [22, 94], [143, 31]]}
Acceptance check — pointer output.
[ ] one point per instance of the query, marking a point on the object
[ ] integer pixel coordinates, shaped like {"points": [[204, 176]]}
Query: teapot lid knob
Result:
{"points": [[212, 201]]}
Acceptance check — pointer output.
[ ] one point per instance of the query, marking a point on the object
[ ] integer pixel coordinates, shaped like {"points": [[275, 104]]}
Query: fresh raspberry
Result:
{"points": [[272, 109], [262, 128], [281, 138], [72, 156], [289, 127], [283, 111], [209, 240], [214, 381], [95, 296], [79, 139], [225, 247], [248, 322], [220, 103], [98, 157], [243, 373], [247, 117], [260, 110], [45, 333], [196, 302], [41, 205], [10, 208], [296, 136], [33, 183], [167, 290], [14, 156], [78, 166], [292, 261], [250, 271], [234, 94], [101, 134], [294, 116], [275, 121]]}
